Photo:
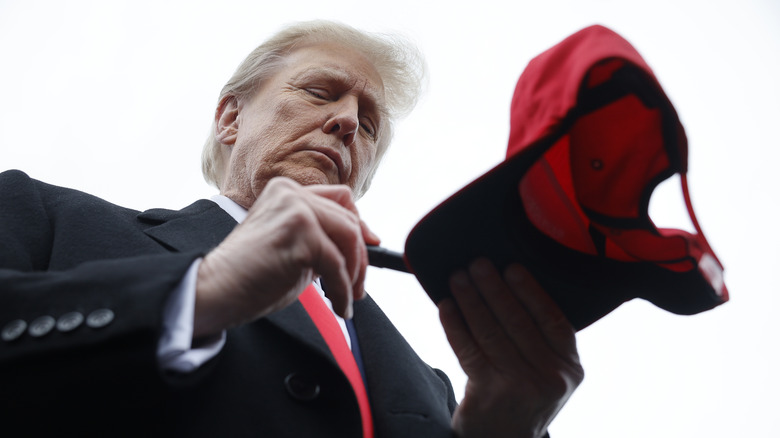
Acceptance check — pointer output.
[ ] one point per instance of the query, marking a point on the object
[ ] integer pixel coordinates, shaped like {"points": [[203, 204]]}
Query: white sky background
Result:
{"points": [[116, 98]]}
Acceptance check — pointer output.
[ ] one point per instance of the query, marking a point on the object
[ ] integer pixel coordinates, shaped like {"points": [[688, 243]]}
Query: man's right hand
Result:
{"points": [[291, 234]]}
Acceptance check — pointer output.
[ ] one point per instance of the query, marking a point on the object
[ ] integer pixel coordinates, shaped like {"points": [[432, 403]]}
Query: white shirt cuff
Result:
{"points": [[175, 351]]}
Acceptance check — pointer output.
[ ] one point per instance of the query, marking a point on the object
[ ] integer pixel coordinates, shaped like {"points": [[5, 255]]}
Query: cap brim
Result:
{"points": [[488, 219]]}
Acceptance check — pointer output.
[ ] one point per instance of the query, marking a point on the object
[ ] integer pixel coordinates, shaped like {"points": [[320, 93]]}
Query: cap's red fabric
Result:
{"points": [[598, 176], [592, 134]]}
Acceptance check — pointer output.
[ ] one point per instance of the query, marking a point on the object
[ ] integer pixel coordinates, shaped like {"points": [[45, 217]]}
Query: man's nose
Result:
{"points": [[343, 121]]}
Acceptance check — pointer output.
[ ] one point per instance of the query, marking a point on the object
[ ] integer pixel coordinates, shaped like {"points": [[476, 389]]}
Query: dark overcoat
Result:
{"points": [[64, 253]]}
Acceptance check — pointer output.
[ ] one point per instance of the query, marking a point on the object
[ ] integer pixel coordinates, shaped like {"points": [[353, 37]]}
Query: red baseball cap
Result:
{"points": [[592, 134]]}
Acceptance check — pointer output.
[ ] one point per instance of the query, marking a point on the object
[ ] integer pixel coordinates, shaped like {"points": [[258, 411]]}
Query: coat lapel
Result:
{"points": [[198, 227], [406, 394], [295, 321]]}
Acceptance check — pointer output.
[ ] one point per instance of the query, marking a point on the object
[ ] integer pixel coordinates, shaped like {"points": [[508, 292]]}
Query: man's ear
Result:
{"points": [[226, 119]]}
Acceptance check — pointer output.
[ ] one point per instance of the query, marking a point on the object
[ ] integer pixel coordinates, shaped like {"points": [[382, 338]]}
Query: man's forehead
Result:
{"points": [[340, 62]]}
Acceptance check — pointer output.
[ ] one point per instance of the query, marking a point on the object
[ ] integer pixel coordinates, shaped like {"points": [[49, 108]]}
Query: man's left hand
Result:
{"points": [[516, 347]]}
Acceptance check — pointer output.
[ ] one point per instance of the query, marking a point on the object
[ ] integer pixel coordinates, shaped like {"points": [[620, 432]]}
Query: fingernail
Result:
{"points": [[481, 267], [516, 274], [348, 312], [372, 235], [460, 279], [361, 295], [447, 305]]}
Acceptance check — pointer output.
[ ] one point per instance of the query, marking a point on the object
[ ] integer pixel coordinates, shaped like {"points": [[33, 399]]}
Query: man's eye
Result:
{"points": [[369, 128], [319, 94]]}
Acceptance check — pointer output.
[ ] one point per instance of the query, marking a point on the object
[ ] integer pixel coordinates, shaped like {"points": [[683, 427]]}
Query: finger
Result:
{"points": [[339, 194], [342, 195], [344, 228], [347, 230], [512, 316], [369, 236], [489, 336], [529, 316], [459, 336], [336, 216], [550, 320], [324, 234], [330, 266]]}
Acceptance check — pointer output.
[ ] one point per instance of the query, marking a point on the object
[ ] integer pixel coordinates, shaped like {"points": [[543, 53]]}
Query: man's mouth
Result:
{"points": [[335, 157]]}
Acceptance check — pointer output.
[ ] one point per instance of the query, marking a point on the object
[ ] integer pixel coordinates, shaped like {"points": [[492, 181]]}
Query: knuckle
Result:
{"points": [[519, 322], [561, 383], [354, 223], [280, 182], [578, 374], [340, 263], [299, 220], [558, 386], [490, 338], [301, 256], [469, 355], [343, 190]]}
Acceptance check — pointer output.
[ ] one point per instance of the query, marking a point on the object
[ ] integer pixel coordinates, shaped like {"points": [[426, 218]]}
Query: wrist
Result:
{"points": [[211, 315]]}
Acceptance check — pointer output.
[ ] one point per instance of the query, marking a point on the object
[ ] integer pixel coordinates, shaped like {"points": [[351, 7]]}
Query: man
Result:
{"points": [[96, 299]]}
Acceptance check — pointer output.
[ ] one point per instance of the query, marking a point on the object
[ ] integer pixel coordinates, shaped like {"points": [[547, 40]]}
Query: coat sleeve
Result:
{"points": [[72, 305]]}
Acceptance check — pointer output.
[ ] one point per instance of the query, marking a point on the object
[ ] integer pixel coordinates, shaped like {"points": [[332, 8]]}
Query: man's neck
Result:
{"points": [[232, 208]]}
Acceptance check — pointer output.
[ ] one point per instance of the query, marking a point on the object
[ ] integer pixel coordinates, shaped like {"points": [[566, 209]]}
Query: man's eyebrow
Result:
{"points": [[375, 94], [328, 72]]}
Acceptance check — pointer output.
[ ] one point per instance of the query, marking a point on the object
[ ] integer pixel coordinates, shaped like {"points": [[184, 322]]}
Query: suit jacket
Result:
{"points": [[64, 253]]}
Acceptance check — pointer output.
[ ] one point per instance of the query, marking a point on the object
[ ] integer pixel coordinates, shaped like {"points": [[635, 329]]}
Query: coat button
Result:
{"points": [[69, 321], [41, 326], [13, 330], [302, 387], [100, 318]]}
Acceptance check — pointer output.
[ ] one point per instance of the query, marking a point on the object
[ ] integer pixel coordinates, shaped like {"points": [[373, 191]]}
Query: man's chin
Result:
{"points": [[312, 176]]}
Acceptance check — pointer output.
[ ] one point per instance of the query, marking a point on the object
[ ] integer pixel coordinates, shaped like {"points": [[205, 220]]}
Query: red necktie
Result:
{"points": [[329, 328]]}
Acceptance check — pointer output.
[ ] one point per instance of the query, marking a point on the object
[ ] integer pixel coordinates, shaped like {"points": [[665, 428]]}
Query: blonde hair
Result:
{"points": [[398, 62]]}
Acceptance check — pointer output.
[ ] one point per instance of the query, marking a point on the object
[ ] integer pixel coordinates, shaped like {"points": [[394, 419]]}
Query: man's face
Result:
{"points": [[315, 121]]}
